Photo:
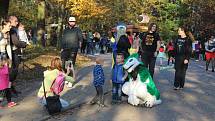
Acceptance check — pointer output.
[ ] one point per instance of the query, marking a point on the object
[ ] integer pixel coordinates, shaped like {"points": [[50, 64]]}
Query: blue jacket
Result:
{"points": [[118, 73], [98, 76]]}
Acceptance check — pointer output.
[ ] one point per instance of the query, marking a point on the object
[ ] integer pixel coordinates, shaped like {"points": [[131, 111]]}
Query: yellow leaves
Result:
{"points": [[86, 8]]}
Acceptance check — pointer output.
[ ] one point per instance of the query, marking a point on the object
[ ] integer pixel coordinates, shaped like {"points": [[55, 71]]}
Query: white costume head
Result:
{"points": [[131, 64]]}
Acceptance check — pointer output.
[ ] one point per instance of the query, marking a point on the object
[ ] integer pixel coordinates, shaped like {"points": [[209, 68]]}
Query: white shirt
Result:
{"points": [[23, 36], [3, 43]]}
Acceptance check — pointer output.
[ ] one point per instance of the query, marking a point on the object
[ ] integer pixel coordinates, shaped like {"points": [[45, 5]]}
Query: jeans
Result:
{"points": [[63, 102], [116, 91], [180, 71]]}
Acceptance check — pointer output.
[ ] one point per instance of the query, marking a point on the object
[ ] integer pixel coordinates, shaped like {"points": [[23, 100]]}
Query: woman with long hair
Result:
{"points": [[150, 47], [182, 53]]}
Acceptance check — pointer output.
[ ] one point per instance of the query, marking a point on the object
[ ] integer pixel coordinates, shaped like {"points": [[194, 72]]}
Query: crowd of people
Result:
{"points": [[149, 46], [12, 39]]}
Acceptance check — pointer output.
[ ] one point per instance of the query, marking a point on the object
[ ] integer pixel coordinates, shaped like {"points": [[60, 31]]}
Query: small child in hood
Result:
{"points": [[98, 82]]}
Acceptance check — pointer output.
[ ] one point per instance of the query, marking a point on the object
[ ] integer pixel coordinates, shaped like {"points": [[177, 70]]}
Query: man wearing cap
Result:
{"points": [[71, 41]]}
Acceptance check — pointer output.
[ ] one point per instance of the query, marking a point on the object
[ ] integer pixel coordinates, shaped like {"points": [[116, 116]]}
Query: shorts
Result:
{"points": [[210, 55]]}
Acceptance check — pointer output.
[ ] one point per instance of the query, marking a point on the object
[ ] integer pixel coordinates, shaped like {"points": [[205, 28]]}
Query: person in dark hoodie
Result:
{"points": [[16, 46], [182, 53], [71, 41]]}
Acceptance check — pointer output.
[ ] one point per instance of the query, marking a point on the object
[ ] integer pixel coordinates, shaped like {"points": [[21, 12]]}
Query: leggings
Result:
{"points": [[180, 71], [5, 93]]}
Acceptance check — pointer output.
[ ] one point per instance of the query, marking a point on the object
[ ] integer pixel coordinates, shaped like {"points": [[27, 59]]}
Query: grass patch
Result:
{"points": [[38, 58]]}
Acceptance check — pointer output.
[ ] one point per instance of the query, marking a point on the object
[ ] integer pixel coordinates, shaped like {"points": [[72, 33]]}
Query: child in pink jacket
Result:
{"points": [[4, 82]]}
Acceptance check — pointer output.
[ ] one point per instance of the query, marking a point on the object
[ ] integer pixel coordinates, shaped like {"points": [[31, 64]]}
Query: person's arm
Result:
{"points": [[61, 40], [15, 40], [1, 36], [80, 37], [188, 51], [70, 78], [158, 46], [125, 75]]}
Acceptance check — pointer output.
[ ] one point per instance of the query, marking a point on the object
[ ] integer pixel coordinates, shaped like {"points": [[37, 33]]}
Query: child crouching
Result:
{"points": [[98, 82], [49, 77]]}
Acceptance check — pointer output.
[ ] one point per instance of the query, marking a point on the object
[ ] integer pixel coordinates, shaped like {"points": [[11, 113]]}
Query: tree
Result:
{"points": [[41, 22], [4, 5]]}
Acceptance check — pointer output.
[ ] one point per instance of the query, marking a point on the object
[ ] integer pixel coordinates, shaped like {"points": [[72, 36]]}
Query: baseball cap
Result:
{"points": [[72, 19]]}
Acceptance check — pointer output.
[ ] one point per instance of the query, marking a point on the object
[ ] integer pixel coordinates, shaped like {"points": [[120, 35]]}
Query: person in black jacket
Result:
{"points": [[182, 53], [16, 46], [123, 46], [150, 47], [71, 41]]}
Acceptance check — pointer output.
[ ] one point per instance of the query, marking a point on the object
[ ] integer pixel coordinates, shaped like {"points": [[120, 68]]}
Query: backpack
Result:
{"points": [[58, 84]]}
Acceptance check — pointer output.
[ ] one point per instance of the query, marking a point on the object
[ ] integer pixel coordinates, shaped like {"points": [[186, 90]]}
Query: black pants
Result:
{"points": [[196, 55], [116, 91], [69, 54], [99, 95], [15, 66], [180, 71], [14, 70], [83, 47], [5, 93], [149, 61]]}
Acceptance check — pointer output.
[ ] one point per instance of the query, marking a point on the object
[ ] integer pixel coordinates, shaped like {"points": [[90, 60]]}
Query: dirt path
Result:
{"points": [[194, 103]]}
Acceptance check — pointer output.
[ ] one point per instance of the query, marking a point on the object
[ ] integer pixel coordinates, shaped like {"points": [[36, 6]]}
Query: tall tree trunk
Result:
{"points": [[61, 16], [48, 30], [41, 22], [4, 5]]}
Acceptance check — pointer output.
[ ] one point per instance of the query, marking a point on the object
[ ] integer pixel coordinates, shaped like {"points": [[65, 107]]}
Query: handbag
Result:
{"points": [[53, 104]]}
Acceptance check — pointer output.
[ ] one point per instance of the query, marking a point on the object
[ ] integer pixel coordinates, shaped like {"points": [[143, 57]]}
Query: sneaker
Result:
{"points": [[212, 71], [11, 104], [176, 88], [181, 88]]}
